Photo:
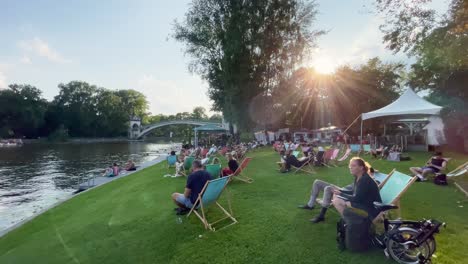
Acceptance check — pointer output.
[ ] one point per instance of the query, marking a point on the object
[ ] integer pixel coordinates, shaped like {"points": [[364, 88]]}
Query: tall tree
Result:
{"points": [[245, 48]]}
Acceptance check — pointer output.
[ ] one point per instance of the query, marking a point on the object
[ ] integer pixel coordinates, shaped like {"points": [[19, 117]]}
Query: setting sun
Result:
{"points": [[323, 64]]}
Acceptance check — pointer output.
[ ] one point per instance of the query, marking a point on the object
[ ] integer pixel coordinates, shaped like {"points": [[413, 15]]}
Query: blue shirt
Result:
{"points": [[195, 182]]}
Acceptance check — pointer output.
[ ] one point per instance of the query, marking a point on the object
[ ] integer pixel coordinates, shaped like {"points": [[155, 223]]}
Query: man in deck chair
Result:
{"points": [[195, 182], [436, 164], [291, 160]]}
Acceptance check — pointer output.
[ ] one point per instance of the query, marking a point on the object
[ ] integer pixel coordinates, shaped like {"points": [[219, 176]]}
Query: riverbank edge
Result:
{"points": [[154, 162], [98, 140]]}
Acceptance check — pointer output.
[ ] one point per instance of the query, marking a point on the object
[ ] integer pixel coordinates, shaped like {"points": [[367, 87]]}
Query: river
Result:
{"points": [[35, 176]]}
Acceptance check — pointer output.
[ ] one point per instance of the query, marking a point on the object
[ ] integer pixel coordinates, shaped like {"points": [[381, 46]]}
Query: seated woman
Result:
{"points": [[435, 165], [365, 193], [291, 160], [130, 166], [108, 172], [232, 165]]}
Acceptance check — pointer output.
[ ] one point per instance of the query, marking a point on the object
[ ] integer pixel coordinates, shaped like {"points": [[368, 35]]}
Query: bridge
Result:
{"points": [[137, 131]]}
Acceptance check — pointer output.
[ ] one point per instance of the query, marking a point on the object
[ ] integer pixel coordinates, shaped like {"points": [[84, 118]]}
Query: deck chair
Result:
{"points": [[460, 170], [223, 151], [380, 177], [296, 153], [171, 161], [307, 167], [355, 148], [208, 196], [393, 187], [345, 155], [333, 158], [366, 148], [187, 165], [239, 173], [214, 170], [204, 152], [319, 158], [327, 157]]}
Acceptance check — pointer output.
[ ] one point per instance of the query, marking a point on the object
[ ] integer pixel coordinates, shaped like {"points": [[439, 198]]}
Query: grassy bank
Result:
{"points": [[131, 220]]}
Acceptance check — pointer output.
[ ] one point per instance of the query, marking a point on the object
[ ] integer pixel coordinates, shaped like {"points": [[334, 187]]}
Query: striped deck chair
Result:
{"points": [[239, 173], [214, 170], [208, 196], [204, 152], [460, 170], [326, 157], [393, 187], [334, 156], [171, 161], [345, 155]]}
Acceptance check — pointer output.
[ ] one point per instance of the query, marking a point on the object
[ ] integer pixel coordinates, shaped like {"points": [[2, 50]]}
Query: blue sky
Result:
{"points": [[127, 44]]}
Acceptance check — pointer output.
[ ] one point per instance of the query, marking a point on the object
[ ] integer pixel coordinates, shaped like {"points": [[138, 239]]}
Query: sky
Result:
{"points": [[122, 44]]}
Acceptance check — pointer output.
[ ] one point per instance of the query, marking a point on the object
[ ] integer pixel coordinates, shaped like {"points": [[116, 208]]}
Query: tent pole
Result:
{"points": [[351, 124], [384, 129], [361, 131]]}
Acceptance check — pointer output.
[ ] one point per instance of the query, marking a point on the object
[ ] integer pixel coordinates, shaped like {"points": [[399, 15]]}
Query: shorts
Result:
{"points": [[434, 170], [184, 200]]}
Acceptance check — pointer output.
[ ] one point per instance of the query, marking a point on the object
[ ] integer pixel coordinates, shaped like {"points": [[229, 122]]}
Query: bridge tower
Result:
{"points": [[134, 127]]}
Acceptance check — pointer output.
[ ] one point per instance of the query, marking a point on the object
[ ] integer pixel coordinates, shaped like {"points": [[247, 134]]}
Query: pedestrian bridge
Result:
{"points": [[137, 131]]}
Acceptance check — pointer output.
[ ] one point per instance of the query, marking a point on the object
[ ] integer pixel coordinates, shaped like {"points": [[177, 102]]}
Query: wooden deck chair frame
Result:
{"points": [[396, 200], [345, 155], [202, 214], [239, 174], [460, 170], [307, 167]]}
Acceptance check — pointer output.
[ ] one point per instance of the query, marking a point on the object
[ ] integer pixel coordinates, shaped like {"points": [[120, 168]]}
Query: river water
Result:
{"points": [[35, 176]]}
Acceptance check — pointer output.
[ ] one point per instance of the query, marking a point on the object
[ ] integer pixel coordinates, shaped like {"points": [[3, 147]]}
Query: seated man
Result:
{"points": [[130, 166], [195, 183], [291, 160], [435, 165], [180, 164]]}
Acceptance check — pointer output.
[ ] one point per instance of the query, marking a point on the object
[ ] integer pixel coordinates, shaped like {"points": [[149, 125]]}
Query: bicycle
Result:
{"points": [[407, 241]]}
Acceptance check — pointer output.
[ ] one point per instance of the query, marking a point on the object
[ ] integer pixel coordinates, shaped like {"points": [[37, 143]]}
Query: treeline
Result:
{"points": [[79, 110]]}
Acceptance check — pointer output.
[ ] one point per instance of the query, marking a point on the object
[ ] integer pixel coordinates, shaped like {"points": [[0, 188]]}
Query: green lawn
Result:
{"points": [[131, 220]]}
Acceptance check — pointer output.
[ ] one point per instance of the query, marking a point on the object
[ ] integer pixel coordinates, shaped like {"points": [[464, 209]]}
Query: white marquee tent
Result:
{"points": [[409, 103]]}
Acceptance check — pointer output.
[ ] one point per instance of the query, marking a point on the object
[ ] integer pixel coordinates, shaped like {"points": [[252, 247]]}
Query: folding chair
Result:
{"points": [[208, 196], [296, 153], [187, 165], [460, 170], [214, 170], [366, 148], [204, 152], [345, 155], [239, 173], [355, 148], [380, 177], [307, 167], [334, 156], [393, 187], [171, 161], [327, 157]]}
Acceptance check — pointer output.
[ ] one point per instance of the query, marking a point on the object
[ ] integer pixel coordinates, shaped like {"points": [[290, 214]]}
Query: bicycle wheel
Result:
{"points": [[408, 253]]}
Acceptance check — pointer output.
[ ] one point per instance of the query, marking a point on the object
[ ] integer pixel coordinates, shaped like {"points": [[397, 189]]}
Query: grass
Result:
{"points": [[131, 220]]}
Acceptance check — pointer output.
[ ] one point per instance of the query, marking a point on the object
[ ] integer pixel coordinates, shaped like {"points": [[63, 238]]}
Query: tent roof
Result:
{"points": [[210, 128], [409, 103]]}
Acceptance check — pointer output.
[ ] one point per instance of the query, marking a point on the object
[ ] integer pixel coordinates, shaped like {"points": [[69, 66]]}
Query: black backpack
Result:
{"points": [[441, 179]]}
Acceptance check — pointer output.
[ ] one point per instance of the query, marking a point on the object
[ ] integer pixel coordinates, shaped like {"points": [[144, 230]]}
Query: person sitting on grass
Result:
{"points": [[232, 165], [115, 170], [195, 183], [365, 193], [291, 160], [130, 166], [108, 172], [435, 165]]}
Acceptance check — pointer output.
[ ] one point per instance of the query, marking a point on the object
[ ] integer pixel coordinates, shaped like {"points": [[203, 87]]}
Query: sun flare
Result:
{"points": [[323, 64]]}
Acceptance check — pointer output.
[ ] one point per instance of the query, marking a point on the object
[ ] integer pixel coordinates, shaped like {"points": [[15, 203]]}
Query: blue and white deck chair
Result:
{"points": [[380, 177], [394, 186], [355, 148], [366, 148], [171, 160], [208, 196]]}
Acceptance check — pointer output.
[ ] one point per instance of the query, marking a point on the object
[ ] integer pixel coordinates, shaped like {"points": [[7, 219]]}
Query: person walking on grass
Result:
{"points": [[195, 183]]}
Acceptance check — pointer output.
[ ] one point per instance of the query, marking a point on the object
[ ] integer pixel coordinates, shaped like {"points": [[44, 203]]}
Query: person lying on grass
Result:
{"points": [[328, 190], [435, 165], [195, 182]]}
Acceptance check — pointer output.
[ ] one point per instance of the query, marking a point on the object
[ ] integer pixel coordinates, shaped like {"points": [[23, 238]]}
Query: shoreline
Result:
{"points": [[100, 140], [143, 166]]}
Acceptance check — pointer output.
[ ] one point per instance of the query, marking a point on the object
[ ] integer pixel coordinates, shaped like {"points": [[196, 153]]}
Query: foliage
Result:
{"points": [[59, 135], [132, 221], [244, 49], [22, 111]]}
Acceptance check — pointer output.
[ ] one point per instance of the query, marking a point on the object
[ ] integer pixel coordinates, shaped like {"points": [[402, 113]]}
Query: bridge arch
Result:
{"points": [[144, 130]]}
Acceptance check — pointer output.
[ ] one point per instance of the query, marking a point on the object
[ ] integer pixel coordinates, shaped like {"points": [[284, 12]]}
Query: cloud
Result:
{"points": [[173, 96], [41, 48], [3, 82], [25, 60]]}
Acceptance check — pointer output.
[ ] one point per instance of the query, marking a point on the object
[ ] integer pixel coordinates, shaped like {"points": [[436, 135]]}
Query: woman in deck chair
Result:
{"points": [[434, 165], [232, 165], [365, 193]]}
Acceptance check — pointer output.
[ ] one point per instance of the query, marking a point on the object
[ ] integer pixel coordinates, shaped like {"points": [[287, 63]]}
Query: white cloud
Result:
{"points": [[25, 60], [173, 96], [3, 82], [41, 48]]}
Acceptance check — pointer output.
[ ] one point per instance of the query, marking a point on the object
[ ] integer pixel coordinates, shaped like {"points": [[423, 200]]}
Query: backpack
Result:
{"points": [[441, 179]]}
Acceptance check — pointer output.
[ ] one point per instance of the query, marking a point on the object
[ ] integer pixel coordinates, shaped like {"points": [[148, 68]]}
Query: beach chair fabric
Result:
{"points": [[460, 170], [345, 155], [171, 160], [209, 196], [394, 186], [239, 174], [296, 153], [188, 162], [355, 148], [366, 148], [214, 170], [380, 177]]}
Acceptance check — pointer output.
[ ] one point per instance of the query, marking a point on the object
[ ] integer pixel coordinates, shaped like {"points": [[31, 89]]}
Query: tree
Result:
{"points": [[244, 48], [199, 113], [22, 110]]}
